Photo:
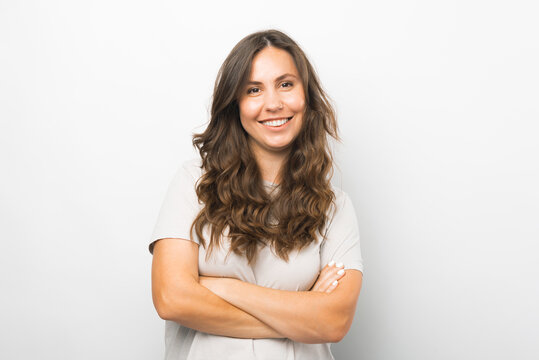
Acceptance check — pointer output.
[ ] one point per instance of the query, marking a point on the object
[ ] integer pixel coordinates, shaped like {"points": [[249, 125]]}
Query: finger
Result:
{"points": [[332, 286], [323, 281], [337, 275], [334, 277], [328, 269], [333, 266], [316, 286], [331, 273]]}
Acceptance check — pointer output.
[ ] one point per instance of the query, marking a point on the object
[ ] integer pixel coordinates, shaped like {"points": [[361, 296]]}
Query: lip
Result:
{"points": [[277, 118], [276, 128]]}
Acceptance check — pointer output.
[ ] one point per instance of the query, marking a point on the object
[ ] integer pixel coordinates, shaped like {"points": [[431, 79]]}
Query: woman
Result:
{"points": [[255, 254]]}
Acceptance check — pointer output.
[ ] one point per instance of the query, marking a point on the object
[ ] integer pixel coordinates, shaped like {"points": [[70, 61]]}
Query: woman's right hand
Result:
{"points": [[329, 277]]}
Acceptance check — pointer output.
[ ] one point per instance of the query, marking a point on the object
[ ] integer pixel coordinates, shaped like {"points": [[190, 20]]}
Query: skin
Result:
{"points": [[285, 311], [231, 307], [275, 90], [181, 295]]}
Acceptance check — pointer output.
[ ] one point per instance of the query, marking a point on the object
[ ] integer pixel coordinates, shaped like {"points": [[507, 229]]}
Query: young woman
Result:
{"points": [[255, 254]]}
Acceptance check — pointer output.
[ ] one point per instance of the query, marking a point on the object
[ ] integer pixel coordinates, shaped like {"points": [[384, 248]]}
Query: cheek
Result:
{"points": [[296, 102], [249, 109]]}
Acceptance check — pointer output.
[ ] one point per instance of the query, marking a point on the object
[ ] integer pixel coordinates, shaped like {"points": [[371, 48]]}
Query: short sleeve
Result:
{"points": [[341, 242], [180, 206]]}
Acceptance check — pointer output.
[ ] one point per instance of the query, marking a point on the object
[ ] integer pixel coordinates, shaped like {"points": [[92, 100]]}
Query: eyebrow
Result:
{"points": [[276, 79]]}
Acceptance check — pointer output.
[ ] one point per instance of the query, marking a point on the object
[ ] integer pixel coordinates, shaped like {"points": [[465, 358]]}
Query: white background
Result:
{"points": [[438, 112]]}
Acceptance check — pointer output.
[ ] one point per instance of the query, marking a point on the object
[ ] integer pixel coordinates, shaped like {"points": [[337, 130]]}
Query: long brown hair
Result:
{"points": [[236, 203]]}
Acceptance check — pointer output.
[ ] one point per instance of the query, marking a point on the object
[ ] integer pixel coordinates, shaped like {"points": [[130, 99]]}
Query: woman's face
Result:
{"points": [[273, 102]]}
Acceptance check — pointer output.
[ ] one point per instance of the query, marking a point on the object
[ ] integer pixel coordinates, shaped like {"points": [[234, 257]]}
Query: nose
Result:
{"points": [[273, 101]]}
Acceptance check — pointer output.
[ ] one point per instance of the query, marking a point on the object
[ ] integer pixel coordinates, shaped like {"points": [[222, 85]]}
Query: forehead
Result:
{"points": [[271, 63]]}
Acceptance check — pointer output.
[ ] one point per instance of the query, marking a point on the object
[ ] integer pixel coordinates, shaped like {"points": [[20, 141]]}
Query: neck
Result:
{"points": [[270, 163]]}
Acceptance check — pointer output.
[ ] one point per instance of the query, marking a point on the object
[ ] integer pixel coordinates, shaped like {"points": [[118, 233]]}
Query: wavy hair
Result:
{"points": [[235, 201]]}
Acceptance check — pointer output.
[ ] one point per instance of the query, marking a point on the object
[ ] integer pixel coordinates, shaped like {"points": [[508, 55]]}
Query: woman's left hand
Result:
{"points": [[329, 277]]}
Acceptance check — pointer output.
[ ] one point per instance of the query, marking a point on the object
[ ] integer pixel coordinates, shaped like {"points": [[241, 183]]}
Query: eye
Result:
{"points": [[288, 83], [253, 90]]}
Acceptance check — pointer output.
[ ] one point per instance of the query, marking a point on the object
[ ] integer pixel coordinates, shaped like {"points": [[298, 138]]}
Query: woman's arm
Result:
{"points": [[178, 296], [304, 316]]}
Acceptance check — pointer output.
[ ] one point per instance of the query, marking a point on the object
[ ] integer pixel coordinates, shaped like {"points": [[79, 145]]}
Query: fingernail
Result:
{"points": [[339, 264], [340, 272], [335, 282], [331, 263]]}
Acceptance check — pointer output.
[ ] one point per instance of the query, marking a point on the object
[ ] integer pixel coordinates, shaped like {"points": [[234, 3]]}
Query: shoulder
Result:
{"points": [[342, 208], [192, 167], [186, 175], [189, 170], [342, 199]]}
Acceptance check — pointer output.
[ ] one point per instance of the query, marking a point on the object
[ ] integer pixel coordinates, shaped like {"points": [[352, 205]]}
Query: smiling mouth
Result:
{"points": [[276, 123]]}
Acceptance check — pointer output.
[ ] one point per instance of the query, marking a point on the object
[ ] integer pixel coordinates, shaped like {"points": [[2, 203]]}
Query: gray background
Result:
{"points": [[437, 105]]}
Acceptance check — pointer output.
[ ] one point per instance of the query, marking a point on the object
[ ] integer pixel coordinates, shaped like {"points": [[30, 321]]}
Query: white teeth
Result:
{"points": [[275, 122]]}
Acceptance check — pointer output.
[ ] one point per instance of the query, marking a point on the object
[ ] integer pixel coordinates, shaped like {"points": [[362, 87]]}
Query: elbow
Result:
{"points": [[336, 336], [162, 306], [171, 300], [331, 334], [334, 330], [167, 306], [164, 312], [339, 329], [327, 335]]}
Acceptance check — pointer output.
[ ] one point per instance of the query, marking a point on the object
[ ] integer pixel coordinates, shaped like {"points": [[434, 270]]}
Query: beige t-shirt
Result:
{"points": [[341, 244]]}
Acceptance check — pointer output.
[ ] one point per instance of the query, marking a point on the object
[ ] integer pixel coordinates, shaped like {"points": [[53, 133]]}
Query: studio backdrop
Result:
{"points": [[437, 110]]}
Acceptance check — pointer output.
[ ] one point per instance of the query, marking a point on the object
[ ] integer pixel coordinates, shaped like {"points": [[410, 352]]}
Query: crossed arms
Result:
{"points": [[234, 308]]}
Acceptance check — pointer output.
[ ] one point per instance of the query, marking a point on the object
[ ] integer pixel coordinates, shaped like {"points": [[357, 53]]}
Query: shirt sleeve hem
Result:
{"points": [[354, 266], [152, 243]]}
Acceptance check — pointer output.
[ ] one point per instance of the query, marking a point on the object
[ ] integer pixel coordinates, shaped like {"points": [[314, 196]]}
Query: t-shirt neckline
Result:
{"points": [[269, 183]]}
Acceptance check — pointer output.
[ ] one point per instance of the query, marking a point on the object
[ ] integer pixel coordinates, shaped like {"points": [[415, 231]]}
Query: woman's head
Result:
{"points": [[229, 95], [266, 76], [272, 103]]}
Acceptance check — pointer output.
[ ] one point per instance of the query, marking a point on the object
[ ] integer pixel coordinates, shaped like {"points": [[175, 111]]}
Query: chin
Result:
{"points": [[279, 147]]}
